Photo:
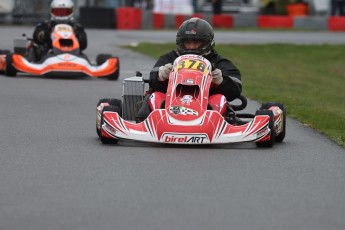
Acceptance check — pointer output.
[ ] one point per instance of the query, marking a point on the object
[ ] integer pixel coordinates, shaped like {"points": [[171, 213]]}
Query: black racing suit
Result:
{"points": [[46, 43], [231, 87]]}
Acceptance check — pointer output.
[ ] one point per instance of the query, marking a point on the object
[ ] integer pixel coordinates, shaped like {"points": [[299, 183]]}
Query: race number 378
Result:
{"points": [[192, 64]]}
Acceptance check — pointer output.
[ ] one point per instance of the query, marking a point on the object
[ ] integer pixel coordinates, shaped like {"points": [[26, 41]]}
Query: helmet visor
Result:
{"points": [[192, 43], [62, 12]]}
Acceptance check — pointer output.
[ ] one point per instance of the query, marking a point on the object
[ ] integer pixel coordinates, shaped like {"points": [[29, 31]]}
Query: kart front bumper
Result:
{"points": [[65, 65], [211, 128]]}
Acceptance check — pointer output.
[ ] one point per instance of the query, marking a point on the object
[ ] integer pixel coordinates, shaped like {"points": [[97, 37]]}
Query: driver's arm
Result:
{"points": [[81, 36], [231, 86], [155, 83]]}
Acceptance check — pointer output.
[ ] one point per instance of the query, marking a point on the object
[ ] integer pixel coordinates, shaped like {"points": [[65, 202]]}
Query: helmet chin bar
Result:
{"points": [[192, 51], [204, 51], [62, 20]]}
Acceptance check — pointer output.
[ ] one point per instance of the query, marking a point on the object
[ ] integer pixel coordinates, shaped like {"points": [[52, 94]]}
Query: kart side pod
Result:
{"points": [[20, 45]]}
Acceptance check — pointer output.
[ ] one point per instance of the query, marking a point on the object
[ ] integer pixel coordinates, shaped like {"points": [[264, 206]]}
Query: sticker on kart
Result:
{"points": [[185, 138], [193, 64]]}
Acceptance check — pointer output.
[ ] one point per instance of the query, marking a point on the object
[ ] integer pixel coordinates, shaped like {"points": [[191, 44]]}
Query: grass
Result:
{"points": [[308, 79]]}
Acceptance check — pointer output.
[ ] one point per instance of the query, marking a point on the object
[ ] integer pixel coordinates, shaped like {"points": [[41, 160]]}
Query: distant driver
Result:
{"points": [[61, 12]]}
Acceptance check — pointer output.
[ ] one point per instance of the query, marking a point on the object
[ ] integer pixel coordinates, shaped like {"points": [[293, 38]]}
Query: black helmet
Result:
{"points": [[195, 29]]}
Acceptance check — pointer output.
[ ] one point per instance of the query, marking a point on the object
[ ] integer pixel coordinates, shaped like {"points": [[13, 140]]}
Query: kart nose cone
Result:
{"points": [[66, 57]]}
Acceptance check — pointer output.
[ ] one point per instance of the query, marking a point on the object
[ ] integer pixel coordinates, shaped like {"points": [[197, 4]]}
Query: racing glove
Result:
{"points": [[217, 77], [164, 71]]}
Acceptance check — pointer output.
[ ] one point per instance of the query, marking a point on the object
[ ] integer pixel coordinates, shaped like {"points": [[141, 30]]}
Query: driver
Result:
{"points": [[61, 12], [195, 36]]}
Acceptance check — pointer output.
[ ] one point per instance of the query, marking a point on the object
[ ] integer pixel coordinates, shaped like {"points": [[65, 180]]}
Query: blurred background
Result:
{"points": [[32, 11]]}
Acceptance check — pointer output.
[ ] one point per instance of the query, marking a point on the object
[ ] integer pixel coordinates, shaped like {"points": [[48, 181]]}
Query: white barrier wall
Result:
{"points": [[321, 5], [173, 6], [6, 6]]}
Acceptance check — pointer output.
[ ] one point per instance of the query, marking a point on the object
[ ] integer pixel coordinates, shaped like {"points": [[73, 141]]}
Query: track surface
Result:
{"points": [[55, 174]]}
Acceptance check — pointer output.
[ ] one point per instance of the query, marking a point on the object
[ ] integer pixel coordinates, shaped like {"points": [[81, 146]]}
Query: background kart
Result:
{"points": [[65, 59], [184, 115]]}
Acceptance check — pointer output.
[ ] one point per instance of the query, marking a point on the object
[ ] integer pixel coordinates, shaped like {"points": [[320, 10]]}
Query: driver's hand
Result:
{"points": [[164, 71], [217, 77]]}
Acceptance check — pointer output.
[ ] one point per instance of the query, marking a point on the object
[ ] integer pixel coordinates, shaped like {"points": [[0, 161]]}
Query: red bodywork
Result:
{"points": [[186, 117]]}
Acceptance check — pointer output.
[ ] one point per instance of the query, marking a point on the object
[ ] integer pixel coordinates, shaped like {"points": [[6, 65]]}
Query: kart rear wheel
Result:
{"points": [[10, 70], [103, 139], [270, 142], [280, 137]]}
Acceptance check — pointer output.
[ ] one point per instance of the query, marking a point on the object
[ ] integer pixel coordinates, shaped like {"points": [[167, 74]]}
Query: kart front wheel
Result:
{"points": [[10, 70], [112, 102], [270, 142], [116, 74], [280, 137], [5, 52], [101, 58], [106, 140]]}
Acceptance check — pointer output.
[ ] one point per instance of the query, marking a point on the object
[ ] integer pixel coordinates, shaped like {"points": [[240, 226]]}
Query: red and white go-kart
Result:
{"points": [[186, 114]]}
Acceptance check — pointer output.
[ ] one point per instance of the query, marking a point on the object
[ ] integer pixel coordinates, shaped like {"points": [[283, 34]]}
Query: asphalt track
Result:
{"points": [[55, 174]]}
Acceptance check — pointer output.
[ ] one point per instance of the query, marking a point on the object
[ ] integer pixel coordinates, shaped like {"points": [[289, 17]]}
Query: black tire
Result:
{"points": [[10, 70], [269, 143], [114, 76], [280, 137], [5, 52], [113, 102], [106, 140], [101, 58], [98, 132]]}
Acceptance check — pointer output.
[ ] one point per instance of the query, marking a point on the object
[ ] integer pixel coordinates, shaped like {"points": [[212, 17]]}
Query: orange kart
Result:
{"points": [[64, 59]]}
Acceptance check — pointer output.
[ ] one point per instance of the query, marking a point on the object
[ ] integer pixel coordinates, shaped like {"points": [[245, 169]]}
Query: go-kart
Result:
{"points": [[185, 115], [65, 59]]}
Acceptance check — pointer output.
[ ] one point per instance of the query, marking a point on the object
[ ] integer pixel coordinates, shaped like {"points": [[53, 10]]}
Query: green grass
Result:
{"points": [[308, 79]]}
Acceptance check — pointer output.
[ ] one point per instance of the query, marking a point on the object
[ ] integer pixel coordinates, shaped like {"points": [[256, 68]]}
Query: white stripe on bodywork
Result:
{"points": [[59, 59]]}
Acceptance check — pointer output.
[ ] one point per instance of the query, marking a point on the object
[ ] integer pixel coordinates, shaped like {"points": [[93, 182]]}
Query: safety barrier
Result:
{"points": [[158, 21], [97, 17], [275, 22], [132, 18], [222, 21], [336, 23], [129, 18], [297, 9]]}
